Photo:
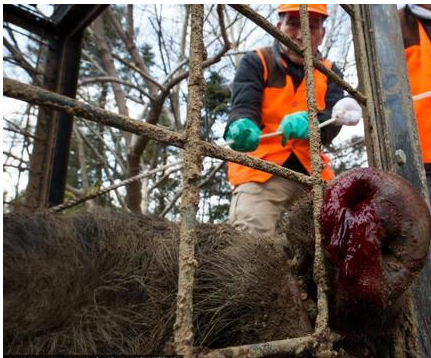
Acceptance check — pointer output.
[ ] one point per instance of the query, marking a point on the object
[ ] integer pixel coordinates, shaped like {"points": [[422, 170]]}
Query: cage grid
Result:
{"points": [[194, 149], [319, 343]]}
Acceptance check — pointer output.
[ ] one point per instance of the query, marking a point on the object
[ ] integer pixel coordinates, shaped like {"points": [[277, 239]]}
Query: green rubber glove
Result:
{"points": [[294, 126], [245, 134]]}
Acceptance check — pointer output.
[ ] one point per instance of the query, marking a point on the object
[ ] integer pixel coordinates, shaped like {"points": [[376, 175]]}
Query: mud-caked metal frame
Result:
{"points": [[370, 94]]}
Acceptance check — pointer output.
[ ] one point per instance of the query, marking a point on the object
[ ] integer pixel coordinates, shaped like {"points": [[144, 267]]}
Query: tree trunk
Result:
{"points": [[108, 66]]}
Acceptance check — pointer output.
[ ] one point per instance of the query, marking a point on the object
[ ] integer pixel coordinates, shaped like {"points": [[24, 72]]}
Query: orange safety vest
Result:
{"points": [[419, 66], [276, 103]]}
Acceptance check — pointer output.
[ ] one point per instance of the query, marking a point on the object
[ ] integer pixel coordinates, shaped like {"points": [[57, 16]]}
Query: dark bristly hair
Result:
{"points": [[105, 282]]}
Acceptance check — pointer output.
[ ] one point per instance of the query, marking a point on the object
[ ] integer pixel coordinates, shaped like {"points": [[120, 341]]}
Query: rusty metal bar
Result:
{"points": [[42, 97], [183, 327], [287, 346], [286, 40], [320, 276]]}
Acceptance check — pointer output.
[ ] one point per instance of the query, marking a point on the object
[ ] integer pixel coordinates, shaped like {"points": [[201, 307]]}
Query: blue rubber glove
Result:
{"points": [[294, 126], [245, 134]]}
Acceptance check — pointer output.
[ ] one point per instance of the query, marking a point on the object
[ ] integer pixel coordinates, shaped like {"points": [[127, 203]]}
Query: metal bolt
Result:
{"points": [[400, 157]]}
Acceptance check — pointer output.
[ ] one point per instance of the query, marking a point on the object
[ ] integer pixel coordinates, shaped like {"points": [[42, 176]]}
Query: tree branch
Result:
{"points": [[113, 152], [25, 134], [19, 57], [90, 80], [202, 183], [9, 154], [104, 164], [137, 69], [131, 48], [81, 158]]}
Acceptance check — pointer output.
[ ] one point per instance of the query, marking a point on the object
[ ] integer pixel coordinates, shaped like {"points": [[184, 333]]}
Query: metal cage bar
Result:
{"points": [[39, 96], [317, 166], [183, 327], [321, 341]]}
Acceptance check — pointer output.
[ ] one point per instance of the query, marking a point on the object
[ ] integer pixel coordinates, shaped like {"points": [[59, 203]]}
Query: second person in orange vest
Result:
{"points": [[416, 29], [269, 94]]}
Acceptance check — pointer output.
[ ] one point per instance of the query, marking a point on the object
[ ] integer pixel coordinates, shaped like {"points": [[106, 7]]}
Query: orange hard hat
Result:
{"points": [[316, 8]]}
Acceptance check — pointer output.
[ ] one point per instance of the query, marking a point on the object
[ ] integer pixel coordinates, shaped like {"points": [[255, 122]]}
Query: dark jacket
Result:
{"points": [[248, 87], [410, 28]]}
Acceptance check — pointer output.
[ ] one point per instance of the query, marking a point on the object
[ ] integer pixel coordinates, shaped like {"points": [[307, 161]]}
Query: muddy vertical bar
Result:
{"points": [[316, 164], [190, 197]]}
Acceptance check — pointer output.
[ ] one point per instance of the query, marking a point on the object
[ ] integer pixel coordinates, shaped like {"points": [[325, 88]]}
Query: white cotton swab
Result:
{"points": [[422, 96]]}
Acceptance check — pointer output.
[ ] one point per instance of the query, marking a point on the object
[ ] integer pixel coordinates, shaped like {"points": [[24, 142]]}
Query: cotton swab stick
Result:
{"points": [[422, 96]]}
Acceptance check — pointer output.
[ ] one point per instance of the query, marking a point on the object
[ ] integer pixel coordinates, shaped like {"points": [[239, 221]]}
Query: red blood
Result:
{"points": [[353, 240], [366, 219]]}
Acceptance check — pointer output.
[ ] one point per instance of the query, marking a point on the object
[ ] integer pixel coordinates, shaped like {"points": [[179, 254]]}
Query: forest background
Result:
{"points": [[135, 62]]}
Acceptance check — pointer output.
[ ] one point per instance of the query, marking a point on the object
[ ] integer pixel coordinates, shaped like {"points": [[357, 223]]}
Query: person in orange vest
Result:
{"points": [[416, 29], [269, 94]]}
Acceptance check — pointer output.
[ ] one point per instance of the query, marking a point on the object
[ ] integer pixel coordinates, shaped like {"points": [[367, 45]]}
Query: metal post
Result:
{"points": [[396, 126], [64, 31], [67, 77], [72, 20]]}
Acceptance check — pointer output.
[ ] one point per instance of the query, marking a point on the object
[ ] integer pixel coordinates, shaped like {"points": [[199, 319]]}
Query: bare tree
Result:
{"points": [[134, 61]]}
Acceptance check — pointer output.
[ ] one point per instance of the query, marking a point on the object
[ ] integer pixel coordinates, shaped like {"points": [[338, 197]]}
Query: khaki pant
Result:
{"points": [[256, 207]]}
